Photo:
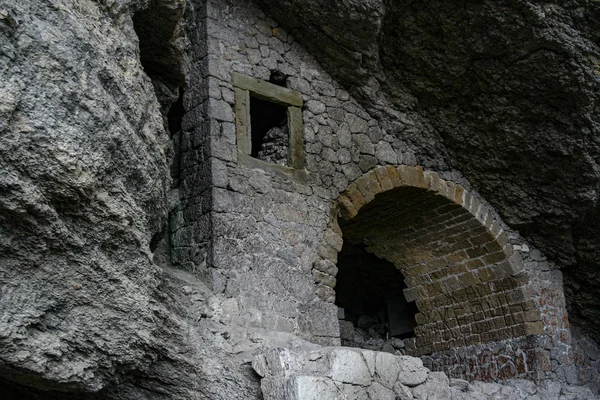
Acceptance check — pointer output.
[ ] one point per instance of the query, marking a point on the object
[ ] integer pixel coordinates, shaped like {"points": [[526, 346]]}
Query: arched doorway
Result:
{"points": [[467, 283]]}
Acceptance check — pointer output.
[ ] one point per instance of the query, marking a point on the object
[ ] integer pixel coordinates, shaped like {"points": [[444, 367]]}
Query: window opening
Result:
{"points": [[373, 310], [269, 131]]}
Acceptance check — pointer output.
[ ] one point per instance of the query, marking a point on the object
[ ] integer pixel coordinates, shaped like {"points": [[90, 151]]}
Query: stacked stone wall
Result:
{"points": [[343, 373], [190, 219], [267, 228], [272, 242]]}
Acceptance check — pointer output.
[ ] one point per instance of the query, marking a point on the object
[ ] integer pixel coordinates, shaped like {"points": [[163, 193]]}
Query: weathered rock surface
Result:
{"points": [[83, 186], [506, 92], [307, 374], [84, 178]]}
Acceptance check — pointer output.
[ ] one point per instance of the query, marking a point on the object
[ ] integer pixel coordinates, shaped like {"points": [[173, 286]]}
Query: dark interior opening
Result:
{"points": [[268, 124], [278, 78], [373, 309], [175, 114], [155, 27]]}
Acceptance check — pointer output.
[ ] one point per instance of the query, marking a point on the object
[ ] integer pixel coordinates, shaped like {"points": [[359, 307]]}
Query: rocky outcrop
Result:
{"points": [[506, 92], [84, 180]]}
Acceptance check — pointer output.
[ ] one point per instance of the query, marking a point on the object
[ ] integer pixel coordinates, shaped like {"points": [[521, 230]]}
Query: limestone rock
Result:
{"points": [[348, 366], [412, 372]]}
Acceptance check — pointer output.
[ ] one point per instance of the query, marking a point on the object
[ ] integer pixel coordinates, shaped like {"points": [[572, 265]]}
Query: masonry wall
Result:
{"points": [[268, 241], [267, 229], [190, 218]]}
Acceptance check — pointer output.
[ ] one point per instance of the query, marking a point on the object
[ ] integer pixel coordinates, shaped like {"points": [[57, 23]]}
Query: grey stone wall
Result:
{"points": [[255, 236], [266, 229], [189, 220]]}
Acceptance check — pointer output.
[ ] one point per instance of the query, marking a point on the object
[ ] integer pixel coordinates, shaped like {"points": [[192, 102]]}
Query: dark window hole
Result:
{"points": [[278, 78], [269, 130]]}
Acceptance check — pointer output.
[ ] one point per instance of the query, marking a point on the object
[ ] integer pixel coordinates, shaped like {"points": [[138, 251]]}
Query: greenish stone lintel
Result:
{"points": [[296, 144], [297, 175], [267, 91], [242, 120]]}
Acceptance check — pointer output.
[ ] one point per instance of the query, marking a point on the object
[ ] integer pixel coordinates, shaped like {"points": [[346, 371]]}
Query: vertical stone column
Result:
{"points": [[190, 222]]}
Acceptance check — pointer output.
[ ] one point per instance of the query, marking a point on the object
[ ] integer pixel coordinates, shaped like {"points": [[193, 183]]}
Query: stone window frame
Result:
{"points": [[244, 87]]}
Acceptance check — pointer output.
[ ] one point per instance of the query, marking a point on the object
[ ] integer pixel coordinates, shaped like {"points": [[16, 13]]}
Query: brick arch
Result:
{"points": [[467, 281]]}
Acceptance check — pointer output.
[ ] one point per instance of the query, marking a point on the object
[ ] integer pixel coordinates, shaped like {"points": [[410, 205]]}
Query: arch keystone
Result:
{"points": [[394, 176], [384, 179], [412, 176]]}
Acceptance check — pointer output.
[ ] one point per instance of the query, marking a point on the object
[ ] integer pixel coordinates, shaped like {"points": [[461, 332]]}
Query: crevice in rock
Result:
{"points": [[175, 114]]}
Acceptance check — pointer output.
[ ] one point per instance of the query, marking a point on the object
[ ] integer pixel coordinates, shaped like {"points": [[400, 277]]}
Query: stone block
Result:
{"points": [[346, 330], [348, 366], [364, 144], [323, 278], [380, 392], [385, 153], [347, 207], [387, 369], [411, 370], [394, 176], [333, 239], [369, 357], [355, 196], [312, 388], [326, 266], [459, 195], [412, 176], [384, 179], [402, 392], [327, 253], [320, 320], [436, 387], [325, 293], [350, 391]]}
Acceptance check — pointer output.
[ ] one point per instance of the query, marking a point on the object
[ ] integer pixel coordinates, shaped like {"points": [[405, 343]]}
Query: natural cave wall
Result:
{"points": [[504, 91], [84, 185]]}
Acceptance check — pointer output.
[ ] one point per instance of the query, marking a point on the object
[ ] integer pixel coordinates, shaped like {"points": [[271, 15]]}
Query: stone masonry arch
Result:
{"points": [[467, 281]]}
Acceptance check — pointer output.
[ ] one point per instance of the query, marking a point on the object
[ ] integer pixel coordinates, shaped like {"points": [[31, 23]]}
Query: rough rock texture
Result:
{"points": [[84, 179], [505, 92], [342, 373]]}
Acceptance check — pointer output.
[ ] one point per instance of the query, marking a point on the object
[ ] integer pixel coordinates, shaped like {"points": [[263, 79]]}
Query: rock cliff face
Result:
{"points": [[84, 178], [506, 92], [84, 188]]}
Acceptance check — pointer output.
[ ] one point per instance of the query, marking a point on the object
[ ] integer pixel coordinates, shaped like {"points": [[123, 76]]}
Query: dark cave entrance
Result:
{"points": [[373, 310]]}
